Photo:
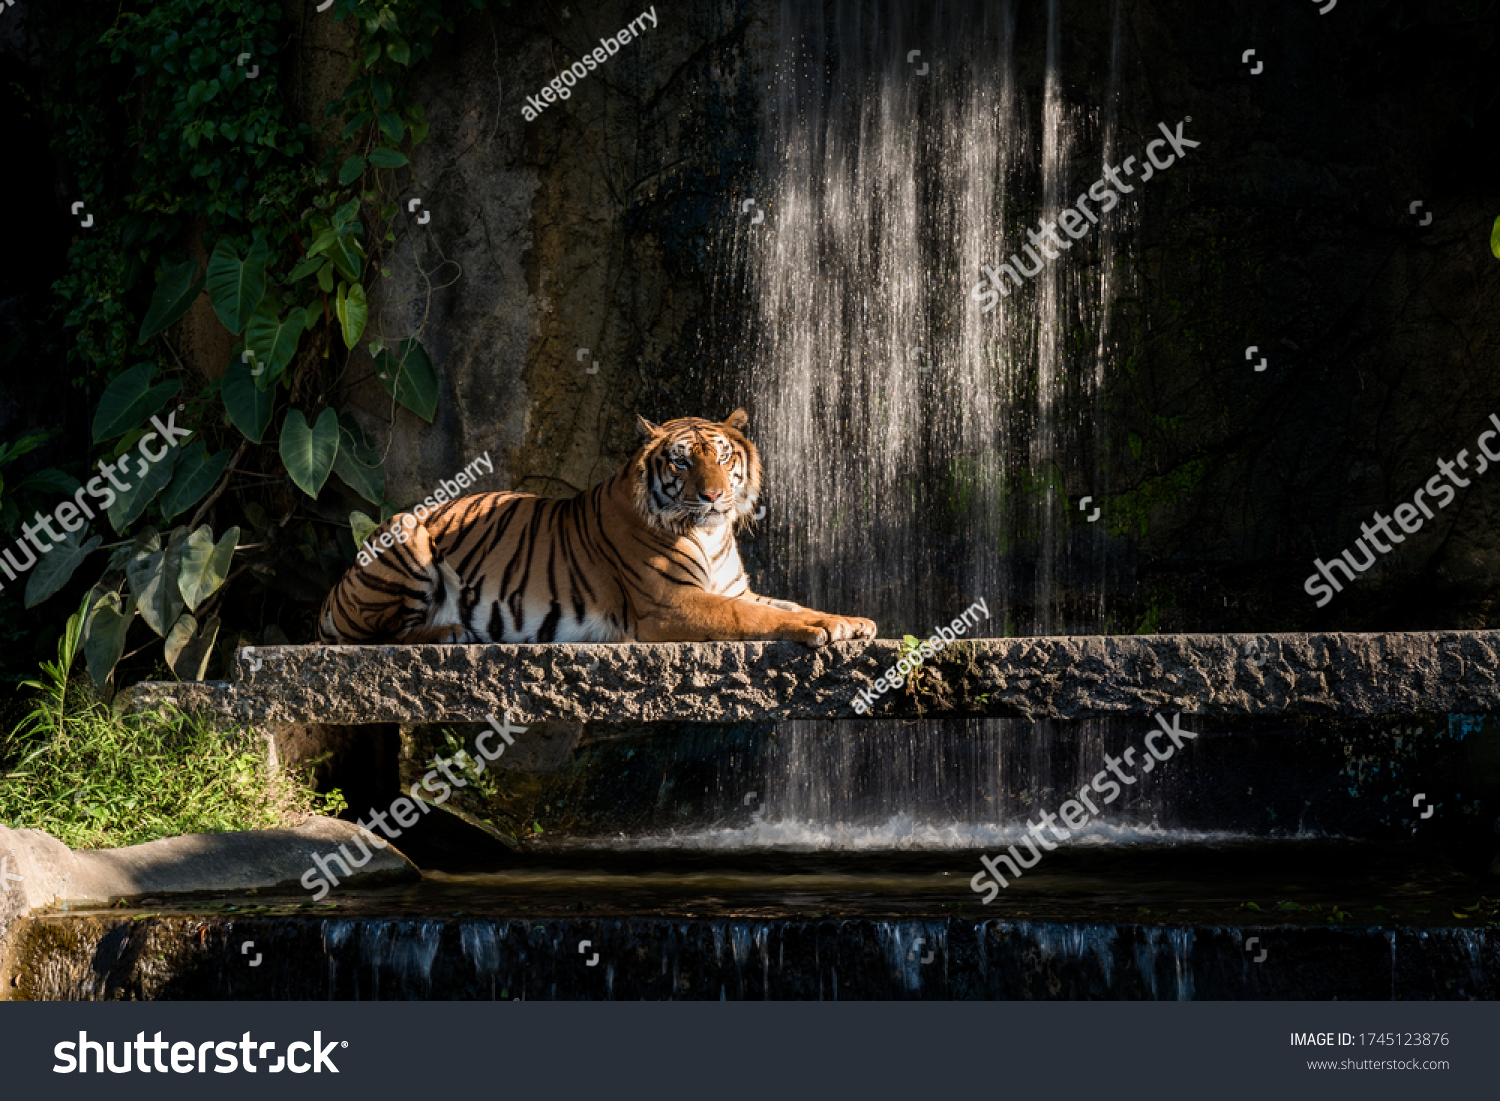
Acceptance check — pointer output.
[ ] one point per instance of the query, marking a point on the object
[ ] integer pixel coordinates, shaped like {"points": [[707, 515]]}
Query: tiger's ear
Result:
{"points": [[737, 420], [646, 429]]}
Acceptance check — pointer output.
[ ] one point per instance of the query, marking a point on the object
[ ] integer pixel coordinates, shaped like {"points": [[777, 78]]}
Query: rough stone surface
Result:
{"points": [[1026, 678], [40, 871]]}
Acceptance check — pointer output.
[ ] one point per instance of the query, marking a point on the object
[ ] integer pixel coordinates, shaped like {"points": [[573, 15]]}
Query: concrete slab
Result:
{"points": [[1025, 678]]}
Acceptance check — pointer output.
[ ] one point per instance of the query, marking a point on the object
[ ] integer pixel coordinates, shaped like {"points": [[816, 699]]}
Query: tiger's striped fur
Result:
{"points": [[647, 556]]}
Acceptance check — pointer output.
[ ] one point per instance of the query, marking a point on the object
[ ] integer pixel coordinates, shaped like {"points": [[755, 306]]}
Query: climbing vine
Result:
{"points": [[195, 182]]}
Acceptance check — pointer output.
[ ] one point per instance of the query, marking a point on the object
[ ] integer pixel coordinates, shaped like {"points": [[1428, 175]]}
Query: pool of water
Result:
{"points": [[1179, 881]]}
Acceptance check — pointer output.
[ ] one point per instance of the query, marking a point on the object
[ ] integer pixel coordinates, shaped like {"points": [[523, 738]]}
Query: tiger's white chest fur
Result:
{"points": [[720, 557]]}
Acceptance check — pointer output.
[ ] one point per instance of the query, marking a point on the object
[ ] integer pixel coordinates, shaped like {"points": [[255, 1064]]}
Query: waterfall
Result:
{"points": [[920, 450]]}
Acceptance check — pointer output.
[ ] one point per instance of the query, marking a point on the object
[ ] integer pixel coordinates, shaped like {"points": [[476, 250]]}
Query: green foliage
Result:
{"points": [[205, 564], [361, 526], [196, 473], [309, 452], [1495, 238], [144, 481], [1150, 623], [471, 767], [1130, 510], [409, 378], [188, 648], [246, 405], [174, 296], [53, 569], [177, 153], [129, 400], [93, 779], [235, 286], [153, 571]]}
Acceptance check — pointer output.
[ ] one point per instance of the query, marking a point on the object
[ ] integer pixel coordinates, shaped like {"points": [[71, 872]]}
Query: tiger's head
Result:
{"points": [[693, 474]]}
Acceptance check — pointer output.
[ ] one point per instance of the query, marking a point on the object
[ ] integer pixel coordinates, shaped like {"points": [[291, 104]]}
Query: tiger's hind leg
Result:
{"points": [[407, 594]]}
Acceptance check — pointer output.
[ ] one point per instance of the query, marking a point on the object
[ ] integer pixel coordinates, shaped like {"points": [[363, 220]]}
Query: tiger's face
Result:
{"points": [[696, 474]]}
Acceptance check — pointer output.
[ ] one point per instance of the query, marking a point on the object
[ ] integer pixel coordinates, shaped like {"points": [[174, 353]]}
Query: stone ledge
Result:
{"points": [[1063, 677], [38, 871]]}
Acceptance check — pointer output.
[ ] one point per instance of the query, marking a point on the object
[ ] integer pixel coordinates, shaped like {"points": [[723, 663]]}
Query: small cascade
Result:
{"points": [[1164, 961], [901, 786], [109, 955]]}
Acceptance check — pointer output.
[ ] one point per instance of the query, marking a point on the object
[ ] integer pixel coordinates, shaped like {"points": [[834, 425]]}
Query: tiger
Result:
{"points": [[646, 556]]}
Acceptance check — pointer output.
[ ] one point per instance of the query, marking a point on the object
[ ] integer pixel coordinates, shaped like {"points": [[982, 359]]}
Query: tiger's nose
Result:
{"points": [[710, 496]]}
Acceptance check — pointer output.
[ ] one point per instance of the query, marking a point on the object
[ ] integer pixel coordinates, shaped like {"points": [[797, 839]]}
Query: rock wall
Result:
{"points": [[597, 226]]}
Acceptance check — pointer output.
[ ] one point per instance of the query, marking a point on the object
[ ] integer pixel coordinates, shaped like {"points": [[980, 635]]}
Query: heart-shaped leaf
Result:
{"points": [[129, 400], [361, 525], [144, 479], [249, 407], [153, 581], [188, 649], [353, 311], [50, 480], [56, 567], [205, 564], [104, 628], [343, 248], [305, 267], [358, 464], [196, 473], [174, 297], [409, 378], [272, 341], [309, 453], [1495, 238], [348, 256], [236, 287]]}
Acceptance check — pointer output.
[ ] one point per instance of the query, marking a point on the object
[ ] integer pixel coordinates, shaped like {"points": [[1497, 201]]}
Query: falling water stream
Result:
{"points": [[920, 450]]}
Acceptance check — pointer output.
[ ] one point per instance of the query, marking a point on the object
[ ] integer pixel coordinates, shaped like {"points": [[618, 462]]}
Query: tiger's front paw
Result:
{"points": [[837, 628]]}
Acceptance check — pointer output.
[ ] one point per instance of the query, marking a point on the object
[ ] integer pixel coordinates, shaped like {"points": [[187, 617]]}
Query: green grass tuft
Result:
{"points": [[96, 779]]}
